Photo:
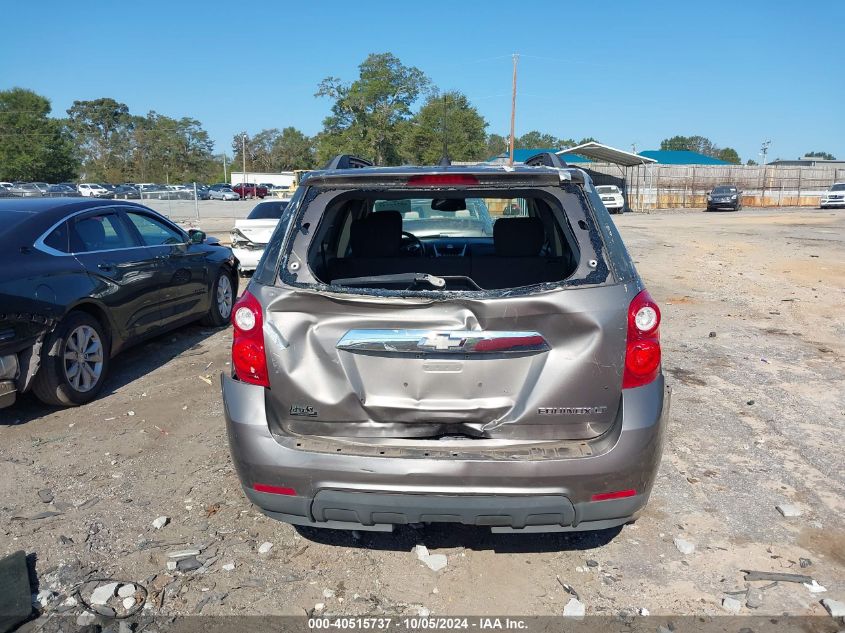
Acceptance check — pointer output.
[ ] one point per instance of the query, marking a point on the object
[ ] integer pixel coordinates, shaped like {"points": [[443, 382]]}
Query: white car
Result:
{"points": [[833, 197], [222, 193], [612, 198], [92, 190], [250, 236]]}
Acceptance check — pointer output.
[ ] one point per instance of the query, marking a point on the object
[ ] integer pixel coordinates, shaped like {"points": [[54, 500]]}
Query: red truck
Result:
{"points": [[250, 190]]}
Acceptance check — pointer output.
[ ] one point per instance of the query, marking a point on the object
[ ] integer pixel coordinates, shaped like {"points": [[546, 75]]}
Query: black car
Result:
{"points": [[127, 192], [724, 197], [80, 280], [62, 191]]}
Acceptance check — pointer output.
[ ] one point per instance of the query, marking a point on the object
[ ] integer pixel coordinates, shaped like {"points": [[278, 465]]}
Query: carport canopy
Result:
{"points": [[606, 154]]}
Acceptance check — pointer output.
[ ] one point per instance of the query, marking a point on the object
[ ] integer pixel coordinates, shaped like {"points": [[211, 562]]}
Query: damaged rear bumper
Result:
{"points": [[539, 493]]}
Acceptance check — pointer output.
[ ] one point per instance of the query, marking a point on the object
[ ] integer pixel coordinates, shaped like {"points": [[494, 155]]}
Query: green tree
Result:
{"points": [[496, 144], [33, 146], [367, 113], [751, 162], [699, 144], [536, 140], [451, 118], [729, 155], [172, 150], [822, 155], [293, 150], [102, 129]]}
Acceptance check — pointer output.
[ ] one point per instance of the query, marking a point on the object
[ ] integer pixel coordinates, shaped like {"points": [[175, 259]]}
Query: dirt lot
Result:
{"points": [[754, 324]]}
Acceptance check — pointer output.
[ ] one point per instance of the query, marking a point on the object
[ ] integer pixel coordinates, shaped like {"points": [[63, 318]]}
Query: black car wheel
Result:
{"points": [[75, 362], [222, 300]]}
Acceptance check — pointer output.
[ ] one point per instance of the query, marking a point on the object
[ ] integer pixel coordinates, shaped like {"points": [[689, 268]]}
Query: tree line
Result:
{"points": [[391, 113]]}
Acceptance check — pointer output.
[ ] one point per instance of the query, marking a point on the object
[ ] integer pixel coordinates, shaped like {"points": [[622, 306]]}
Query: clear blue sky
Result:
{"points": [[623, 72]]}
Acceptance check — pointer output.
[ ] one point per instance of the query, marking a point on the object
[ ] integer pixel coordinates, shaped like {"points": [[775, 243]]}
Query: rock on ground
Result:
{"points": [[834, 607], [731, 605], [574, 608], [684, 546], [101, 594], [789, 510]]}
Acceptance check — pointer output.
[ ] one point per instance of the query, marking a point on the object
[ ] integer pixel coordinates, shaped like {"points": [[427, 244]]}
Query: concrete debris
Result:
{"points": [[814, 587], [183, 553], [421, 551], [776, 576], [70, 601], [101, 594], [789, 510], [643, 611], [229, 567], [754, 599], [86, 618], [43, 598], [731, 605], [171, 565], [423, 612], [574, 609], [188, 564], [435, 562], [160, 522], [265, 547], [835, 608], [127, 590], [328, 593], [684, 546], [319, 606], [128, 603], [46, 495]]}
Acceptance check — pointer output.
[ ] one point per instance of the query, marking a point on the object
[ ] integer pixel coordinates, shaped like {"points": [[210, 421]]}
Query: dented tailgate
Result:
{"points": [[544, 366]]}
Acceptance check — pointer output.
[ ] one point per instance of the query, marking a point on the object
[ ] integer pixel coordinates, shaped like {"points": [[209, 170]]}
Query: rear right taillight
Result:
{"points": [[248, 356], [642, 349]]}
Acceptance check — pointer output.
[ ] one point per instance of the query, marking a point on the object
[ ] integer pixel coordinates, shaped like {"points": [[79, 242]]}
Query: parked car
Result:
{"points": [[43, 187], [203, 193], [834, 197], [381, 377], [62, 191], [250, 236], [25, 190], [93, 190], [81, 280], [612, 198], [223, 194], [250, 190], [127, 192], [724, 197], [108, 187]]}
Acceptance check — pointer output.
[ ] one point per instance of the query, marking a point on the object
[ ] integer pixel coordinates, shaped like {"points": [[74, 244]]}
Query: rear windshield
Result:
{"points": [[268, 211], [441, 241]]}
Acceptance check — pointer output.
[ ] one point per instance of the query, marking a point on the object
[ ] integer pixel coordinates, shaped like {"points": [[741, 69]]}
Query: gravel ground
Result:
{"points": [[754, 323]]}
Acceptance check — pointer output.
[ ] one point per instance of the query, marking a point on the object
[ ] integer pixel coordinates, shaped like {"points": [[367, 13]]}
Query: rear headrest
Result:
{"points": [[377, 235], [92, 233], [518, 237]]}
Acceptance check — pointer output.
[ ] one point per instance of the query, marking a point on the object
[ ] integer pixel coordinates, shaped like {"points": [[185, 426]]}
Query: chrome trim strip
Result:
{"points": [[443, 342]]}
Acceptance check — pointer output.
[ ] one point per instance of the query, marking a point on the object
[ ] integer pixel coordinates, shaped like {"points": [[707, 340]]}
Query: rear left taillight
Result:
{"points": [[248, 356], [642, 349]]}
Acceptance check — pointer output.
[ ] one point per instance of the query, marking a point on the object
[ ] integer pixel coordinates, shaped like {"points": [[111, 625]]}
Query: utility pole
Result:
{"points": [[513, 109], [243, 154], [764, 149], [225, 178]]}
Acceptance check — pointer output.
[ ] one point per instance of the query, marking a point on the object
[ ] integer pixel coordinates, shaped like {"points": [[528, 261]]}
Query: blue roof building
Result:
{"points": [[521, 155]]}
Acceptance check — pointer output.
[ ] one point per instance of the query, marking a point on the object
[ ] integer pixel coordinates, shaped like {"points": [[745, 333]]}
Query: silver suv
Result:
{"points": [[447, 344]]}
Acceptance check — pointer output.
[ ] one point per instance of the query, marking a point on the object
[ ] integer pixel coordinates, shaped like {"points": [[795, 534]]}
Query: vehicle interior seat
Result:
{"points": [[92, 234], [517, 261]]}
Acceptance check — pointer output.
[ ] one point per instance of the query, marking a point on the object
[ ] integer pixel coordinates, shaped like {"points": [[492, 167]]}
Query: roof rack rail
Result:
{"points": [[546, 159], [348, 161]]}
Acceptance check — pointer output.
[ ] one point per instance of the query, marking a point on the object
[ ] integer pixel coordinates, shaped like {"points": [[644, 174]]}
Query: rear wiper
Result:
{"points": [[401, 278]]}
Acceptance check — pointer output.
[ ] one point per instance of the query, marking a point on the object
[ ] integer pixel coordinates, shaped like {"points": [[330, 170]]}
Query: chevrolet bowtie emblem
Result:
{"points": [[441, 341]]}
